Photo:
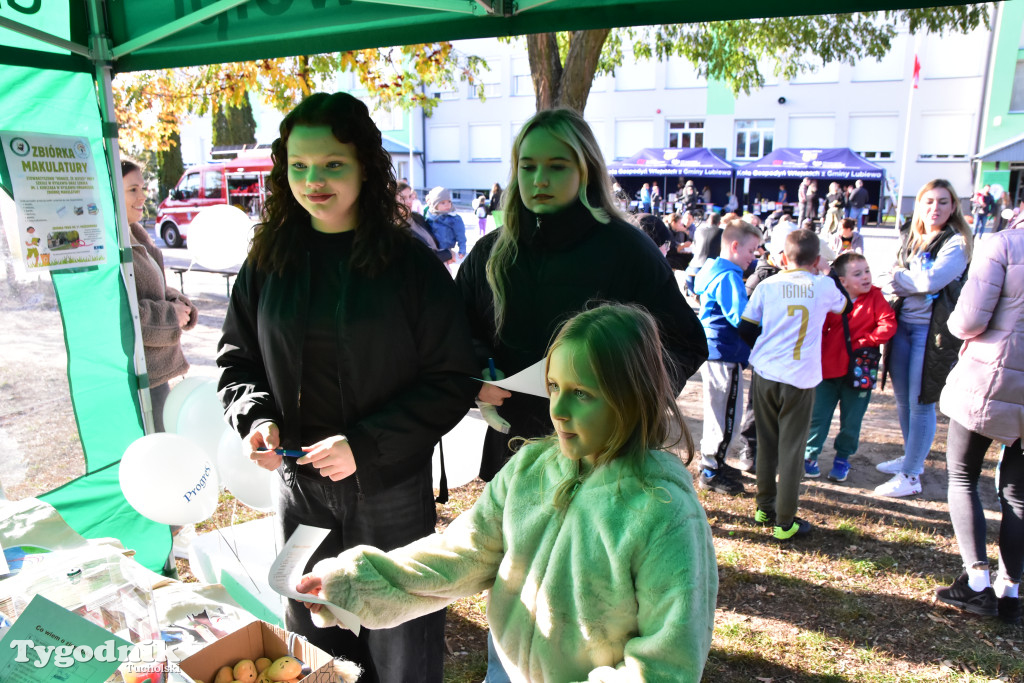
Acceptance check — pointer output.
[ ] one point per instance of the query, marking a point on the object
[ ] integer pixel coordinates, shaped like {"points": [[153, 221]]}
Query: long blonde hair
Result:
{"points": [[595, 193], [622, 345], [919, 234]]}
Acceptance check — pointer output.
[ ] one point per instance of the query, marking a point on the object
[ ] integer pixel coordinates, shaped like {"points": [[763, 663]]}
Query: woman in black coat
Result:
{"points": [[333, 279], [562, 245]]}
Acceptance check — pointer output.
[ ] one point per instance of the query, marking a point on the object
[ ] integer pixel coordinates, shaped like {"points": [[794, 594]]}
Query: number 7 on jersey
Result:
{"points": [[804, 316]]}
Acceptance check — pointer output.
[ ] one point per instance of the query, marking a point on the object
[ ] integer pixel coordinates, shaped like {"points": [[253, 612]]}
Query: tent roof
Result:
{"points": [[697, 162], [155, 35], [836, 163], [1007, 150]]}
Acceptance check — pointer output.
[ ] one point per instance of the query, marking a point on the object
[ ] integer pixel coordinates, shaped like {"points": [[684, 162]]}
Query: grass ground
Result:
{"points": [[854, 602]]}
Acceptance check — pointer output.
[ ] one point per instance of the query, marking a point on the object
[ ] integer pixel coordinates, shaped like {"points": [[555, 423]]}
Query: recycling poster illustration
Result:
{"points": [[53, 179]]}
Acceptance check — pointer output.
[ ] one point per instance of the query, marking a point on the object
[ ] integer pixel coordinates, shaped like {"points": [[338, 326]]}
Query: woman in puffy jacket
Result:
{"points": [[984, 399], [934, 252]]}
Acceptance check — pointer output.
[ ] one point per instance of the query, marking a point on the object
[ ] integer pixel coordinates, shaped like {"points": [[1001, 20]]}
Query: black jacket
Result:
{"points": [[405, 360], [564, 261]]}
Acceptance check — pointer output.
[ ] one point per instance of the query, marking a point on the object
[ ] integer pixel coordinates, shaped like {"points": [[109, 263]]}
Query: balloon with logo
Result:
{"points": [[247, 481], [218, 237], [201, 418], [168, 479], [176, 399]]}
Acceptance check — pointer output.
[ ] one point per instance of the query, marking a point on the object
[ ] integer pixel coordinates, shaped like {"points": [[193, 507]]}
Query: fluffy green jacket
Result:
{"points": [[619, 586]]}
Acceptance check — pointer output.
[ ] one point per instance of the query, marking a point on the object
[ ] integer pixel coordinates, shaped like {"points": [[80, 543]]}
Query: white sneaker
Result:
{"points": [[891, 466], [899, 486]]}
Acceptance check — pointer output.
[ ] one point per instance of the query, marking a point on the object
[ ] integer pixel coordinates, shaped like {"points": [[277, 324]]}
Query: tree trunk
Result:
{"points": [[566, 86]]}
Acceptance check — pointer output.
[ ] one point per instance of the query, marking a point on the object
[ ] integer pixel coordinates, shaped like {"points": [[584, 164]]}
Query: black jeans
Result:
{"points": [[965, 452], [387, 520]]}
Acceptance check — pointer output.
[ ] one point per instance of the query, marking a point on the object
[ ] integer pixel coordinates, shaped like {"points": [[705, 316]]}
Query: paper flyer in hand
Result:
{"points": [[287, 570], [528, 381], [49, 643]]}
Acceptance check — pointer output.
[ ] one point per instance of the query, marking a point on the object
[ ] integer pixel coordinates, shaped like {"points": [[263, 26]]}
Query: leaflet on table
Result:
{"points": [[60, 223], [529, 381], [287, 570], [48, 643]]}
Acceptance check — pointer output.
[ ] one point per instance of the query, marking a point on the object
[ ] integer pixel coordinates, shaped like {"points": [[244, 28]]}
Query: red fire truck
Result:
{"points": [[241, 182]]}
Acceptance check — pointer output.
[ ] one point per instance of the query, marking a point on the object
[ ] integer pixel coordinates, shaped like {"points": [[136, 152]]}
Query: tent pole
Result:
{"points": [[102, 61], [44, 37]]}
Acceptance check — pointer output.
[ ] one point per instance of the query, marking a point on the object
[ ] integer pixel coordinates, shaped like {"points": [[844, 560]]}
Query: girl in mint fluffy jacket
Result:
{"points": [[592, 542]]}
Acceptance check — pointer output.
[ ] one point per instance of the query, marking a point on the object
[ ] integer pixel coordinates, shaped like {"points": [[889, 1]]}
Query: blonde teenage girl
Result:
{"points": [[592, 542]]}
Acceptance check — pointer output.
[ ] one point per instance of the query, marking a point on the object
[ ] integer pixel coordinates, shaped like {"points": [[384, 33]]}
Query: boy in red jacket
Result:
{"points": [[872, 323]]}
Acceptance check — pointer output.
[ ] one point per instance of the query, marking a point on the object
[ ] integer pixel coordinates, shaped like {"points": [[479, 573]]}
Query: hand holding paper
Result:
{"points": [[286, 572]]}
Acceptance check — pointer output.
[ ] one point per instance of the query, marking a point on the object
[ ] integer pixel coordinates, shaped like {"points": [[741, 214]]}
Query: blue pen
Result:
{"points": [[490, 366], [285, 452]]}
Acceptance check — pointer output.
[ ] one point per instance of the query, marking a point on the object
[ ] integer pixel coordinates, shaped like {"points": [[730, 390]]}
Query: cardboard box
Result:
{"points": [[259, 639]]}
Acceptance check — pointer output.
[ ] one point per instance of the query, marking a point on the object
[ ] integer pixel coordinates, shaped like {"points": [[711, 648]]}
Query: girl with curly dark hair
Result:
{"points": [[345, 344]]}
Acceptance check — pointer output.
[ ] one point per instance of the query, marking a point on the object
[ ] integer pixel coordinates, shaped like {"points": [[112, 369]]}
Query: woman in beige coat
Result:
{"points": [[164, 312], [984, 399]]}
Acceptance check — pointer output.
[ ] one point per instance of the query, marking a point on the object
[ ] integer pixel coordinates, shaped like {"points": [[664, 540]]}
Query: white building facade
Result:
{"points": [[467, 142]]}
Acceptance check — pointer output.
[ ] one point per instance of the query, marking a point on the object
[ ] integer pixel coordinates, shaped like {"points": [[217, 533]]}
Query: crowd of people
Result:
{"points": [[589, 534]]}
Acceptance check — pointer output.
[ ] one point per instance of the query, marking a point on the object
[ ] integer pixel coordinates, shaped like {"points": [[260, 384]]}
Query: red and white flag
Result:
{"points": [[917, 71]]}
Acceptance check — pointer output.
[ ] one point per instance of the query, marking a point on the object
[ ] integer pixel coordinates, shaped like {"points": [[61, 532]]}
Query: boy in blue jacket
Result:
{"points": [[446, 225], [719, 284]]}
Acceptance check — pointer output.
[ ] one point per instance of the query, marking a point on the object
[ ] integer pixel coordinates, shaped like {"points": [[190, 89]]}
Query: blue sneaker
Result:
{"points": [[840, 470], [811, 469]]}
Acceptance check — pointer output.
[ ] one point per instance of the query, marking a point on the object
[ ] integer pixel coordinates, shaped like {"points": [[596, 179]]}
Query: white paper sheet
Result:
{"points": [[528, 381], [286, 571]]}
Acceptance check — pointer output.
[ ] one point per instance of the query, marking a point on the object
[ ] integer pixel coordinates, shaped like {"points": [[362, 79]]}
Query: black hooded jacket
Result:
{"points": [[565, 260], [404, 363]]}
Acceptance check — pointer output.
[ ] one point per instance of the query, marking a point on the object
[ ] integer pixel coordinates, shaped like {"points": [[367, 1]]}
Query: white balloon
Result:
{"points": [[463, 450], [168, 479], [247, 481], [176, 399], [201, 418], [996, 190], [218, 237]]}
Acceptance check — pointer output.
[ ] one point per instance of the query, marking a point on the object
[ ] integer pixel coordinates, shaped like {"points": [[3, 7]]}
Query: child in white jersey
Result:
{"points": [[592, 542], [790, 309]]}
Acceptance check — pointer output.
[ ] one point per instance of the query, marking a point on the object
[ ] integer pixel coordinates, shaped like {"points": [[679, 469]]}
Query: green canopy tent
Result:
{"points": [[59, 57]]}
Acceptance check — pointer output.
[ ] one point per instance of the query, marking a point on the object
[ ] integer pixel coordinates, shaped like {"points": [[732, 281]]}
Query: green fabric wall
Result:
{"points": [[98, 330]]}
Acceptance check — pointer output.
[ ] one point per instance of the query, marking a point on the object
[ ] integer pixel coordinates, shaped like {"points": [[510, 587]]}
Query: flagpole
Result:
{"points": [[898, 190]]}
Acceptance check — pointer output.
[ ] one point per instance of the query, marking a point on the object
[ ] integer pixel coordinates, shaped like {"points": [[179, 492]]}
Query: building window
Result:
{"points": [[393, 119], [631, 136], [490, 78], [954, 55], [874, 136], [447, 91], [485, 142], [812, 131], [522, 81], [891, 67], [681, 73], [945, 136], [819, 72], [633, 74], [1017, 92], [754, 138], [686, 134], [443, 143]]}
